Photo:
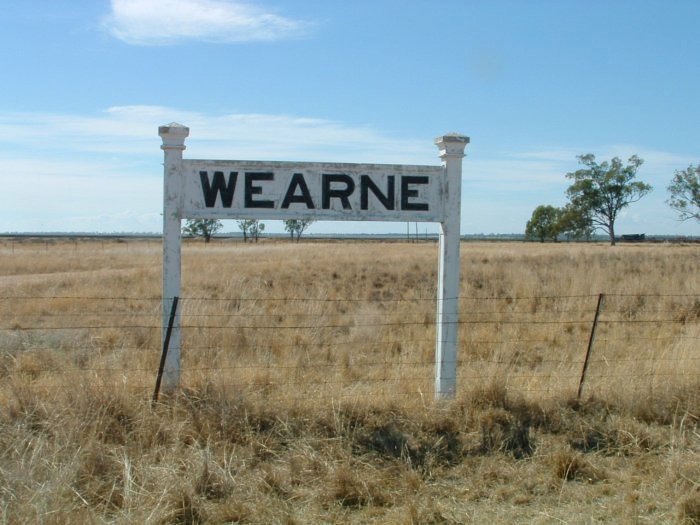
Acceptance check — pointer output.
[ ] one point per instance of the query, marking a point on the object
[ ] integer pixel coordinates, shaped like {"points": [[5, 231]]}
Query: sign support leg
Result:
{"points": [[447, 320], [173, 136]]}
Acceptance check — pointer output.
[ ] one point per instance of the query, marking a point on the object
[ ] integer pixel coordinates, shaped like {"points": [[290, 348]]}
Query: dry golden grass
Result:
{"points": [[308, 378]]}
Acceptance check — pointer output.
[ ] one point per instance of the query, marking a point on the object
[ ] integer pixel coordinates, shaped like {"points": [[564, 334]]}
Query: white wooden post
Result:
{"points": [[173, 136], [451, 152]]}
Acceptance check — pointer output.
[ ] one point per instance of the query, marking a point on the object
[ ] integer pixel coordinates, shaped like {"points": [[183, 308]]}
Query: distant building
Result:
{"points": [[634, 237]]}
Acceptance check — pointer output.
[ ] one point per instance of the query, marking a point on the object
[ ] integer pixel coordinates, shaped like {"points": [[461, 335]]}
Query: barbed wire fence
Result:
{"points": [[294, 348]]}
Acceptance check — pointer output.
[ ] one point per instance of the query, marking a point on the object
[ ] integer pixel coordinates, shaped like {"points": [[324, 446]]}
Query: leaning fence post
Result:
{"points": [[166, 344], [601, 298]]}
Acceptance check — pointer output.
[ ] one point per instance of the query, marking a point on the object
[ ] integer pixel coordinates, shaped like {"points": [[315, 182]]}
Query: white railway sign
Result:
{"points": [[323, 191], [236, 189]]}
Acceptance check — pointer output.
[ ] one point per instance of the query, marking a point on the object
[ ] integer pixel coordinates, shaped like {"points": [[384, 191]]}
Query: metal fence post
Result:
{"points": [[601, 299], [166, 345]]}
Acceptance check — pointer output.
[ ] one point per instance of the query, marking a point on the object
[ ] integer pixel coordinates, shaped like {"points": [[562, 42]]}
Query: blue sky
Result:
{"points": [[86, 84]]}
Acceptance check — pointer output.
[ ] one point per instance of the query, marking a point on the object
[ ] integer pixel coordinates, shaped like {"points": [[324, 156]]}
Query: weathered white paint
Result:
{"points": [[447, 327], [430, 194], [325, 191], [173, 136]]}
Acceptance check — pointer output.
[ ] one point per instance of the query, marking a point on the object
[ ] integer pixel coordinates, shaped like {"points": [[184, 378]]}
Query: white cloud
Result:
{"points": [[104, 169], [164, 22], [132, 131], [102, 172], [658, 166]]}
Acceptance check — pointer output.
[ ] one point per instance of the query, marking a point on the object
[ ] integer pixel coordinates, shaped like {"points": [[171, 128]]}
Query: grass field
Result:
{"points": [[308, 385]]}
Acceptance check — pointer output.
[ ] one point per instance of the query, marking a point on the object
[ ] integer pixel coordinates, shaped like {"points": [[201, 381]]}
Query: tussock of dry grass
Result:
{"points": [[690, 509], [334, 422]]}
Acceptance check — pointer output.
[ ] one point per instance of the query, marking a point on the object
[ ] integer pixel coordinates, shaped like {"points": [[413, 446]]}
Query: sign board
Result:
{"points": [[322, 191], [236, 189]]}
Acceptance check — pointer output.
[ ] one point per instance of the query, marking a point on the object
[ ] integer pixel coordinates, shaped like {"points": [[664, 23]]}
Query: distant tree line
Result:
{"points": [[600, 191], [252, 229]]}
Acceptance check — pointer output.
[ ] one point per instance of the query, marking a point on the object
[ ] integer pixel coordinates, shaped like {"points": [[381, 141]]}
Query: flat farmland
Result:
{"points": [[307, 384]]}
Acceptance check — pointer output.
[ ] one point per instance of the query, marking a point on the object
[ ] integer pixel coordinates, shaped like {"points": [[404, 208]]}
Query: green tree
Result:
{"points": [[295, 227], [204, 228], [575, 223], [244, 226], [252, 228], [685, 193], [544, 224], [256, 229], [605, 189]]}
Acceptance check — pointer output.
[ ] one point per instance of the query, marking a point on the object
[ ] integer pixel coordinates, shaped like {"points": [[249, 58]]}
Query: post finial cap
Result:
{"points": [[173, 135], [452, 144]]}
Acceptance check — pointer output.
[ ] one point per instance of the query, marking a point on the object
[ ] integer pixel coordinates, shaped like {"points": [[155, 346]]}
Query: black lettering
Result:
{"points": [[251, 189], [291, 196], [407, 193], [327, 193], [218, 185], [387, 200]]}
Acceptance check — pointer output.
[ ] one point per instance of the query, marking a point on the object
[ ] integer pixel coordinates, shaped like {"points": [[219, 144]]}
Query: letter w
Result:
{"points": [[218, 185]]}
